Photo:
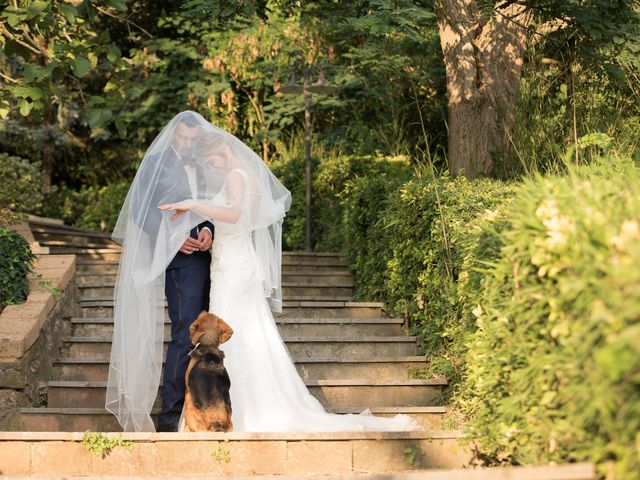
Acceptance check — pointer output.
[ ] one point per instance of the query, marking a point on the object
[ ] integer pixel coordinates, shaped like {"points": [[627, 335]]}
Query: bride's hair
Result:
{"points": [[210, 143]]}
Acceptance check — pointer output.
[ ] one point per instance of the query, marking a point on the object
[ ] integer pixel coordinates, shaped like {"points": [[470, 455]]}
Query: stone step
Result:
{"points": [[48, 419], [70, 234], [330, 393], [182, 454], [348, 327], [110, 267], [297, 309], [289, 259], [102, 253], [289, 278], [300, 347], [371, 368], [291, 291], [59, 241]]}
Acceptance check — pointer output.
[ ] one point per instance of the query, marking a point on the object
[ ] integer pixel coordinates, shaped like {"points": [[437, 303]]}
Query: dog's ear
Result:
{"points": [[197, 324], [225, 331]]}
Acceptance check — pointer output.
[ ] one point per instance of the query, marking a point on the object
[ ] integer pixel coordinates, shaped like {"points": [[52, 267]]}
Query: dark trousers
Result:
{"points": [[187, 292]]}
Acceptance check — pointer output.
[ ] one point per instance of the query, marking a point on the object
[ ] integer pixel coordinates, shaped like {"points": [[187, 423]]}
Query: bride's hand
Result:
{"points": [[180, 208]]}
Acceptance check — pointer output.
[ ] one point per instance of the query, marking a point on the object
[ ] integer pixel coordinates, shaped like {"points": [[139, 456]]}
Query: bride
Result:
{"points": [[247, 205]]}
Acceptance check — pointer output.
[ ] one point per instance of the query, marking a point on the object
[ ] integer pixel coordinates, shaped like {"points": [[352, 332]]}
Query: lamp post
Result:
{"points": [[307, 89]]}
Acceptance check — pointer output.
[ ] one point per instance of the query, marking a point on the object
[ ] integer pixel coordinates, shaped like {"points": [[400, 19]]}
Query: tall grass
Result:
{"points": [[562, 102]]}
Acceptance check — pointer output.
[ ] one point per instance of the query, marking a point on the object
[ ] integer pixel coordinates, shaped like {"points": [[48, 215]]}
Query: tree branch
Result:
{"points": [[8, 78], [122, 19], [21, 42]]}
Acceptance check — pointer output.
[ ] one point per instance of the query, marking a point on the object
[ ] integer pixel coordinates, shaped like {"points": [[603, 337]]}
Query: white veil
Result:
{"points": [[170, 173]]}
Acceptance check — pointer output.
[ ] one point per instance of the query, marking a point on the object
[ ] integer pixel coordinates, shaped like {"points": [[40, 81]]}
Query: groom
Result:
{"points": [[187, 278]]}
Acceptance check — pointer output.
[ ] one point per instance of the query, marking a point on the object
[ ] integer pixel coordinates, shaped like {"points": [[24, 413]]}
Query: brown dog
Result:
{"points": [[207, 401]]}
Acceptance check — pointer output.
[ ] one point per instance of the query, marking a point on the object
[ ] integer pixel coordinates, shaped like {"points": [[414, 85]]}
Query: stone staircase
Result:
{"points": [[349, 353]]}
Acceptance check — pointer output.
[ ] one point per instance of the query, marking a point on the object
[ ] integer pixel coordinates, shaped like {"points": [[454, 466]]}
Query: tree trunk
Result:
{"points": [[483, 57]]}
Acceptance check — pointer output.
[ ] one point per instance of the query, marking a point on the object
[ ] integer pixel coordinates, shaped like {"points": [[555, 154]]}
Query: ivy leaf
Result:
{"points": [[25, 107], [13, 19], [4, 110], [121, 126], [98, 117], [118, 5], [96, 100], [28, 92], [80, 66], [36, 8], [113, 53], [69, 11], [34, 73]]}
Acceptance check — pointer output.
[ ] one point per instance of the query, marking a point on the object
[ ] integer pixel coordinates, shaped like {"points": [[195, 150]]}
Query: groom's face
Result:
{"points": [[184, 138]]}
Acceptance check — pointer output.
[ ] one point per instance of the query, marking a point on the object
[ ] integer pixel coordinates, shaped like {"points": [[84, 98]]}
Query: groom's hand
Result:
{"points": [[204, 237], [190, 245]]}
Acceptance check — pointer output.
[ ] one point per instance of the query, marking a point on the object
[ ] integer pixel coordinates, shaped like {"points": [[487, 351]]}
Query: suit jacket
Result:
{"points": [[172, 186]]}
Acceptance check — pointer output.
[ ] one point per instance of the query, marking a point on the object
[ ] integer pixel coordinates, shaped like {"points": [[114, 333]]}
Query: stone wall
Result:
{"points": [[32, 333]]}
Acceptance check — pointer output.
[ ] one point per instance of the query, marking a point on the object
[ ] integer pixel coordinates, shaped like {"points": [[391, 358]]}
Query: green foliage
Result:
{"points": [[93, 208], [524, 295], [413, 455], [368, 246], [563, 100], [221, 454], [411, 243], [98, 444], [48, 284], [553, 367], [16, 263], [223, 11], [332, 173], [21, 189], [51, 48]]}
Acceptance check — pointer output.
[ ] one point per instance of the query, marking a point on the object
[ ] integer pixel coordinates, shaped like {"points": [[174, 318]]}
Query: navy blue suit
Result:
{"points": [[187, 281]]}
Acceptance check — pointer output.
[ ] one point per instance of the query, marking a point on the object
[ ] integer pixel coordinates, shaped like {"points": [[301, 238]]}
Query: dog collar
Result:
{"points": [[194, 349]]}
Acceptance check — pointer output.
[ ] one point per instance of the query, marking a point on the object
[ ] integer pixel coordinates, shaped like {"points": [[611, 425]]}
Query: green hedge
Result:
{"points": [[409, 242], [22, 190], [16, 263], [332, 173], [554, 367], [92, 208], [525, 294]]}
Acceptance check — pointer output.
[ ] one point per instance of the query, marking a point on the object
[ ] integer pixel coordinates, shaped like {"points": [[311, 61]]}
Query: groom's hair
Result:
{"points": [[189, 119]]}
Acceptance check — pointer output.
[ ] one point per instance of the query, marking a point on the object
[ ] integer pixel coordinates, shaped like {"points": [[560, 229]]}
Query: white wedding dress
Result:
{"points": [[267, 393]]}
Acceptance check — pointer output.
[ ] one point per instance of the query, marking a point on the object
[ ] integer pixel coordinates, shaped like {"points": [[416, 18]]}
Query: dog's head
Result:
{"points": [[209, 329]]}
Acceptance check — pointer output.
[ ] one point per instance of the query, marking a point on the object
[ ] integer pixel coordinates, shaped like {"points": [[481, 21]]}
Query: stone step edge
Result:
{"points": [[304, 304], [374, 410], [569, 471], [95, 248], [385, 359], [288, 265], [418, 382], [399, 359], [7, 436], [284, 284], [287, 339], [289, 299], [311, 273], [279, 320]]}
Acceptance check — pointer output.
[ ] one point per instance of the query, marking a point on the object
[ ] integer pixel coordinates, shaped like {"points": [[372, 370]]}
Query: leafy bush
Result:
{"points": [[367, 246], [93, 208], [433, 236], [331, 174], [102, 213], [16, 263], [553, 369], [408, 246], [22, 189]]}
